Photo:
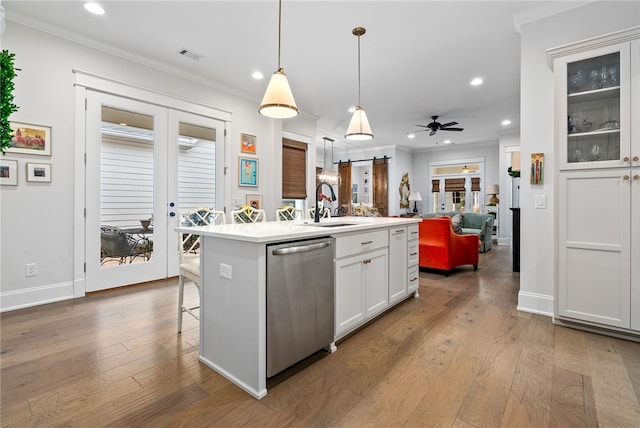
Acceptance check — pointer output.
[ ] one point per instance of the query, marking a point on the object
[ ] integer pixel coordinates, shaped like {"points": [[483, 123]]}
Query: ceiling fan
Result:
{"points": [[437, 126]]}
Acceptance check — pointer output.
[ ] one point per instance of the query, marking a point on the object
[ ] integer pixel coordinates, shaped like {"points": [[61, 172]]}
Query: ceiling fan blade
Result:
{"points": [[424, 126], [448, 124], [451, 129], [432, 132]]}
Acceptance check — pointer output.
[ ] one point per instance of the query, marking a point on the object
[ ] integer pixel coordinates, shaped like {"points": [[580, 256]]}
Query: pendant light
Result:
{"points": [[278, 102], [359, 129], [329, 176]]}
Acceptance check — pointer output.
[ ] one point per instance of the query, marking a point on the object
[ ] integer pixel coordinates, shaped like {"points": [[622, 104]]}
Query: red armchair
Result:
{"points": [[441, 248]]}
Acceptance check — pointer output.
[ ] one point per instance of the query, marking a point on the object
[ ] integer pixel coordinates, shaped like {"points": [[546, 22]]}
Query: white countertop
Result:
{"points": [[274, 231]]}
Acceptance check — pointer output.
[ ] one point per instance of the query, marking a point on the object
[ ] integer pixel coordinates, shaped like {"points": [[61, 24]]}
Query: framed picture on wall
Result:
{"points": [[8, 172], [247, 171], [254, 200], [247, 143], [30, 139], [39, 172]]}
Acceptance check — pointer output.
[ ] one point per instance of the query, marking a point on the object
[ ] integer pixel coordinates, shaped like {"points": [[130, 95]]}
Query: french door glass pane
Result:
{"points": [[196, 167], [126, 187]]}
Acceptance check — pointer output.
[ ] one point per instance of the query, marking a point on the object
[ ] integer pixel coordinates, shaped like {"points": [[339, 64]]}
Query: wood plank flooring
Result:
{"points": [[459, 356]]}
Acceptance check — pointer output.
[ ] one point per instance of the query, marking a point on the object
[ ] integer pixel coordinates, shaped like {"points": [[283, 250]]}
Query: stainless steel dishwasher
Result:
{"points": [[300, 301]]}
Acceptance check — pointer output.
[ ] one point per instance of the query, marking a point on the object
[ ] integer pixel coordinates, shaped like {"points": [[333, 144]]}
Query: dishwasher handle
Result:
{"points": [[301, 248]]}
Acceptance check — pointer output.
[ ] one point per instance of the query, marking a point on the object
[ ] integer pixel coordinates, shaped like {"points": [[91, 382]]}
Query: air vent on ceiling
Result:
{"points": [[190, 54]]}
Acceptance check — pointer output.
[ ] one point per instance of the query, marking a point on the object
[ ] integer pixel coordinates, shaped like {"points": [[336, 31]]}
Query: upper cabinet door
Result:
{"points": [[593, 107]]}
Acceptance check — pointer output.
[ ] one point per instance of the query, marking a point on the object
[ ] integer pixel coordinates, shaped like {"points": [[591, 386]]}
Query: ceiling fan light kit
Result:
{"points": [[278, 101], [359, 128]]}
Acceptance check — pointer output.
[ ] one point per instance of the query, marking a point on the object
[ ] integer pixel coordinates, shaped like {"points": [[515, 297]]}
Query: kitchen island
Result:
{"points": [[375, 267]]}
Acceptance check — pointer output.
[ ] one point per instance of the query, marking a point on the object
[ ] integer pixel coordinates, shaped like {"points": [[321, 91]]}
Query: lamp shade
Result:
{"points": [[359, 129], [493, 189], [278, 102], [415, 196]]}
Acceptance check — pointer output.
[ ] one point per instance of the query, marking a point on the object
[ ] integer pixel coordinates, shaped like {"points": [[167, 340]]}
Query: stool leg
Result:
{"points": [[180, 301]]}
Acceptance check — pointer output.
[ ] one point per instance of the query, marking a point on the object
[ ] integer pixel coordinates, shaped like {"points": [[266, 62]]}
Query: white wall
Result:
{"points": [[37, 220], [538, 250]]}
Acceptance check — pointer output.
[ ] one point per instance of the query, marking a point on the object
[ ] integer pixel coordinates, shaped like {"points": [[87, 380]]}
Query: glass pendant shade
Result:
{"points": [[359, 128], [278, 102]]}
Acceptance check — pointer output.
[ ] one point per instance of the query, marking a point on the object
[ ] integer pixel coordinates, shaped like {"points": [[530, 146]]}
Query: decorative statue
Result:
{"points": [[405, 191]]}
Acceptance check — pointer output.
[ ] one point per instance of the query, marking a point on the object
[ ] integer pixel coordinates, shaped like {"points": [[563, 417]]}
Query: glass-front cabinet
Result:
{"points": [[596, 105]]}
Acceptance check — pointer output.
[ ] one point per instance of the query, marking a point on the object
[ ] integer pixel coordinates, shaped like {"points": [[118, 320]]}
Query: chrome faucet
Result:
{"points": [[316, 215]]}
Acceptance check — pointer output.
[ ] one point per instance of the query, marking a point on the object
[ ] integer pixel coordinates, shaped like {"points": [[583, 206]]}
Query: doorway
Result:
{"points": [[145, 164]]}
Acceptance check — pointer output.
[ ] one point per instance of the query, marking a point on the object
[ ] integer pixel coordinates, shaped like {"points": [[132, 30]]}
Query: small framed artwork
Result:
{"points": [[254, 201], [247, 172], [247, 143], [8, 172], [537, 168], [39, 172], [30, 139]]}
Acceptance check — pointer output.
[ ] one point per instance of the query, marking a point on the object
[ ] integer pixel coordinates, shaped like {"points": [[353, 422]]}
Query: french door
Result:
{"points": [[140, 158]]}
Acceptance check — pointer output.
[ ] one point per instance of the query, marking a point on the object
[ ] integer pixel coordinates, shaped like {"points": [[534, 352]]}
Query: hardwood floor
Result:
{"points": [[459, 356]]}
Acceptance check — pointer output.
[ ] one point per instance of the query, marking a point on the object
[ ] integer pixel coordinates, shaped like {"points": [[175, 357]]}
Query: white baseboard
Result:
{"points": [[25, 298], [541, 304]]}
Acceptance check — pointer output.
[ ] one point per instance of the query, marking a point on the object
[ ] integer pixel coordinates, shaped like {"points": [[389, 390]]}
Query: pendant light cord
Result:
{"points": [[359, 104], [279, 29]]}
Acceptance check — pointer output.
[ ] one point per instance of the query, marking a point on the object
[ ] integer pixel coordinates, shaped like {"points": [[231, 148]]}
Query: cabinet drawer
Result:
{"points": [[412, 254], [413, 278], [361, 242], [413, 232]]}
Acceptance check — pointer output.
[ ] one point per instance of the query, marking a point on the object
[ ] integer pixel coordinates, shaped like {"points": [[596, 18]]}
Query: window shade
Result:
{"points": [[435, 186], [454, 184], [475, 184], [294, 169]]}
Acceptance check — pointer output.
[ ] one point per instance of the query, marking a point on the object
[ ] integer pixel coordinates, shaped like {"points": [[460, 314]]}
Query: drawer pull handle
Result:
{"points": [[399, 230], [366, 242], [367, 261], [413, 254], [414, 279]]}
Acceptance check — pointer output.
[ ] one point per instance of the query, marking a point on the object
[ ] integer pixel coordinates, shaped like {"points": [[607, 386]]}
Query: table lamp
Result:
{"points": [[415, 197], [493, 190]]}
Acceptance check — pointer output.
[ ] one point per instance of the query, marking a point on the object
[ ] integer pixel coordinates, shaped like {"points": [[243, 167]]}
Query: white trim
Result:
{"points": [[535, 303], [34, 296], [125, 90]]}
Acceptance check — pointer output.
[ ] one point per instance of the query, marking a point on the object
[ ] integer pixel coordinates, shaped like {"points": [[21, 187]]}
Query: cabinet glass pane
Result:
{"points": [[593, 108]]}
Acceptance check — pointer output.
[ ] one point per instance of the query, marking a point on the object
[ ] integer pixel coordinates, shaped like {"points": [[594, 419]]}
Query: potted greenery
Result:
{"points": [[7, 74]]}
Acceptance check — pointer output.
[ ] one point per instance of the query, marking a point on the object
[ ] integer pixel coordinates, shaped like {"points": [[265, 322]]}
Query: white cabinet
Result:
{"points": [[413, 271], [398, 256], [362, 282], [597, 93]]}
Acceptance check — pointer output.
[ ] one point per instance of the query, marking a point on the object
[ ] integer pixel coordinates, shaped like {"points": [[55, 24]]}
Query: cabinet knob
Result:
{"points": [[636, 177], [636, 158], [626, 159], [626, 177]]}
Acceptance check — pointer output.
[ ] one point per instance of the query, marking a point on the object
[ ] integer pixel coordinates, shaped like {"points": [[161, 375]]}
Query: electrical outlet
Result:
{"points": [[31, 269], [225, 271]]}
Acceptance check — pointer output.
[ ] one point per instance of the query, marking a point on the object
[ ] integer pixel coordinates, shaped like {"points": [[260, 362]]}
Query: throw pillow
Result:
{"points": [[456, 223]]}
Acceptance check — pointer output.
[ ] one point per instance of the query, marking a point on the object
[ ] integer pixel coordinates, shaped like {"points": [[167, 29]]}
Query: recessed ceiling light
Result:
{"points": [[257, 75], [352, 109], [477, 81], [94, 8], [411, 136], [506, 122], [447, 141]]}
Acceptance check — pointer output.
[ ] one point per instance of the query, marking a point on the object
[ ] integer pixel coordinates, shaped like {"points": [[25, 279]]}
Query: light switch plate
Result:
{"points": [[541, 202]]}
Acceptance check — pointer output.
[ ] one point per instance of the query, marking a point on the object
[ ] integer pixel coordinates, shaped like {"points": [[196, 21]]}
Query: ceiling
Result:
{"points": [[417, 57]]}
